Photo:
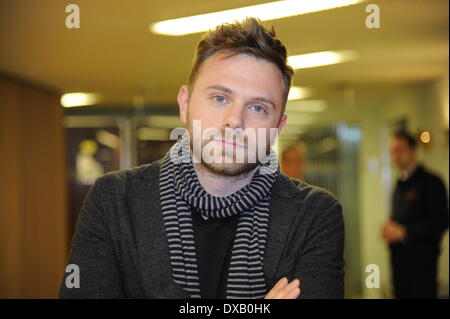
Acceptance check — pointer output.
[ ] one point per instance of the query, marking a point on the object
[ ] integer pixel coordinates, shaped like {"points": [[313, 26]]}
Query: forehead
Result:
{"points": [[244, 74], [399, 143]]}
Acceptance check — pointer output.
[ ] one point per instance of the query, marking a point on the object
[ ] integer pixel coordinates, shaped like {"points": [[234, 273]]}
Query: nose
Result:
{"points": [[233, 117]]}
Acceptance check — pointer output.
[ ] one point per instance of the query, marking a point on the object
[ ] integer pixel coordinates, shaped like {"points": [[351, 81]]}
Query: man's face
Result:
{"points": [[239, 93], [402, 154]]}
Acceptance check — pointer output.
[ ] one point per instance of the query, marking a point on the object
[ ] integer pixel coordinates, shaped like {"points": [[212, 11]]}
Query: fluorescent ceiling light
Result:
{"points": [[266, 11], [298, 93], [297, 119], [315, 59], [79, 99], [306, 106]]}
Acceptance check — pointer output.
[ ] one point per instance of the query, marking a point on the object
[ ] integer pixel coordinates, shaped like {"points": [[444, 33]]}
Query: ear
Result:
{"points": [[183, 98], [282, 123]]}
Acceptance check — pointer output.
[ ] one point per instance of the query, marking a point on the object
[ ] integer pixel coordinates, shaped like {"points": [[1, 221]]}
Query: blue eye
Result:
{"points": [[220, 99], [258, 108]]}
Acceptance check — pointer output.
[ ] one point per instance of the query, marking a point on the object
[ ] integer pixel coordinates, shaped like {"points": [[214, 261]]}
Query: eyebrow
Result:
{"points": [[227, 90], [219, 88]]}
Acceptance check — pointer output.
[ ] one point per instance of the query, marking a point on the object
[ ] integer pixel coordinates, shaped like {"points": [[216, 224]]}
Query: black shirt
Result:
{"points": [[213, 243]]}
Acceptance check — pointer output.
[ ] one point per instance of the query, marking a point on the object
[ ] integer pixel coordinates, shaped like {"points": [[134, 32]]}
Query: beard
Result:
{"points": [[225, 163], [229, 169]]}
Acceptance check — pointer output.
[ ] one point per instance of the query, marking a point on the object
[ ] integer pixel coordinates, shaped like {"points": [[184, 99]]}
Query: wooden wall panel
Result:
{"points": [[10, 220], [33, 216]]}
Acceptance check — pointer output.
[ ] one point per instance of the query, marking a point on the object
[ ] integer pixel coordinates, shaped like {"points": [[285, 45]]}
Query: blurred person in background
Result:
{"points": [[418, 220], [293, 161]]}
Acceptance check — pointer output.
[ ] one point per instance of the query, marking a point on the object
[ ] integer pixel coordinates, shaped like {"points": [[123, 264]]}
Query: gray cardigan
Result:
{"points": [[121, 249]]}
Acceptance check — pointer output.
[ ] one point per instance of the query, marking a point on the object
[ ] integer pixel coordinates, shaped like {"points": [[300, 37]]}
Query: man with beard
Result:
{"points": [[211, 219], [419, 219]]}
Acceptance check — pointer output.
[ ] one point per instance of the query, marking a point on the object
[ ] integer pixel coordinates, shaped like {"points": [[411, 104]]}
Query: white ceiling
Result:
{"points": [[113, 52]]}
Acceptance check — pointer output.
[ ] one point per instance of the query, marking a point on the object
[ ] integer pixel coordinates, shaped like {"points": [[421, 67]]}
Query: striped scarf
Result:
{"points": [[180, 190]]}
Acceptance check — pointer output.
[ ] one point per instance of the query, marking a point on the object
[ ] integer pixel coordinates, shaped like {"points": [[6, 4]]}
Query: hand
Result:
{"points": [[284, 290], [393, 232]]}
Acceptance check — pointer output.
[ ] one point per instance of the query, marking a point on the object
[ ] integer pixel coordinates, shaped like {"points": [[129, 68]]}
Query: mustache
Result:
{"points": [[229, 142], [236, 139]]}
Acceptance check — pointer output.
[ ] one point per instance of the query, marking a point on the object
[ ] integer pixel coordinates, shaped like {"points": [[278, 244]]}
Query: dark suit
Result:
{"points": [[121, 248], [420, 205]]}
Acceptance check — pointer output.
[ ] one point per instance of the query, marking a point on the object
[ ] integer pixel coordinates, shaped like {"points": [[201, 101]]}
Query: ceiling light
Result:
{"points": [[79, 99], [266, 11], [306, 106], [425, 137], [315, 59], [298, 93], [297, 119]]}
